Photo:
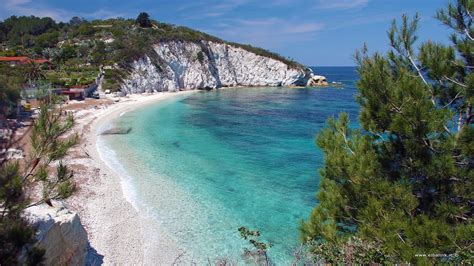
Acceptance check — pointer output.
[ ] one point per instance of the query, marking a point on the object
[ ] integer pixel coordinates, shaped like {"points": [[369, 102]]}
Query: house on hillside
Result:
{"points": [[73, 94], [15, 60], [79, 92]]}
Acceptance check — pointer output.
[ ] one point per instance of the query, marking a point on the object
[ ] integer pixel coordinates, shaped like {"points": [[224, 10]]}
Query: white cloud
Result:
{"points": [[12, 3], [229, 5], [212, 6], [279, 26], [210, 9], [304, 28], [29, 7], [270, 33], [341, 4], [102, 14]]}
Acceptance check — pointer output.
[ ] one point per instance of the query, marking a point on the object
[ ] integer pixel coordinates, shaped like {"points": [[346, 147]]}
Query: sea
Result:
{"points": [[202, 165]]}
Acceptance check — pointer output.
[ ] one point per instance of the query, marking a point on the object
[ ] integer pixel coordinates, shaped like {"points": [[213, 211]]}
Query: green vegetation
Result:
{"points": [[402, 185], [353, 250], [259, 248], [25, 30], [49, 144], [114, 79], [100, 42], [9, 96], [12, 80], [79, 48], [72, 76], [32, 72], [263, 52], [10, 84], [200, 57]]}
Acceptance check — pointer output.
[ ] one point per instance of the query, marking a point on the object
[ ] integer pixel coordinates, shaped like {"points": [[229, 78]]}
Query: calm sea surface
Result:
{"points": [[203, 165]]}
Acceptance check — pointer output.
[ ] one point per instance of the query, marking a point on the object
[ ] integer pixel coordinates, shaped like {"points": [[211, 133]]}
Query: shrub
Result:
{"points": [[200, 57]]}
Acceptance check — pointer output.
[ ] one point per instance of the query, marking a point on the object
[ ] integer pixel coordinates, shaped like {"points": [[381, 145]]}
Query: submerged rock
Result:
{"points": [[59, 233], [117, 131]]}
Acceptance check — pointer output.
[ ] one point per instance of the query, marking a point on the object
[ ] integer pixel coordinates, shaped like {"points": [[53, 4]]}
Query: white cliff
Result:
{"points": [[59, 233], [179, 65]]}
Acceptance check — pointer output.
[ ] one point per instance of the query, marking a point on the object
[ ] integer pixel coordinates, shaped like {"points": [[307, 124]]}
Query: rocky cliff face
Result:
{"points": [[178, 65], [59, 233]]}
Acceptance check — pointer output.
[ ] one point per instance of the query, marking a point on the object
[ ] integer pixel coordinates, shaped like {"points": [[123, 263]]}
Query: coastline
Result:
{"points": [[112, 223]]}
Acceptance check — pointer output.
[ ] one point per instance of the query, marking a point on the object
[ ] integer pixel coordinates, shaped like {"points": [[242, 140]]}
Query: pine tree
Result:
{"points": [[43, 168], [402, 184], [143, 20]]}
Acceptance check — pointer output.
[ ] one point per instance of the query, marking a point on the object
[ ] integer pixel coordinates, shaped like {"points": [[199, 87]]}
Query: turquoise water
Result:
{"points": [[203, 165]]}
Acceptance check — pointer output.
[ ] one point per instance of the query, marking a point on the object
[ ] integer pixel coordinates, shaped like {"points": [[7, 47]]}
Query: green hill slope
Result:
{"points": [[99, 42]]}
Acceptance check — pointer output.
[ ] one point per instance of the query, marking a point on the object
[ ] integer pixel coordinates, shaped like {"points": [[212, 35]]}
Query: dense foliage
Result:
{"points": [[114, 79], [10, 82], [25, 30], [403, 184]]}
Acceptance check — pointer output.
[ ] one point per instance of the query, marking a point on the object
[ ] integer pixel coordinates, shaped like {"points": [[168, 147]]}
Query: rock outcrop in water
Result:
{"points": [[316, 81], [181, 65], [59, 233]]}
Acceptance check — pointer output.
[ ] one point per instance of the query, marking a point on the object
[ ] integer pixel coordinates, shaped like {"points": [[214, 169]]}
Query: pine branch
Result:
{"points": [[455, 81], [453, 100], [346, 141], [468, 35], [418, 70]]}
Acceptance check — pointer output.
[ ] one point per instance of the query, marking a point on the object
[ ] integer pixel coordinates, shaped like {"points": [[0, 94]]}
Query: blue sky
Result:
{"points": [[314, 32]]}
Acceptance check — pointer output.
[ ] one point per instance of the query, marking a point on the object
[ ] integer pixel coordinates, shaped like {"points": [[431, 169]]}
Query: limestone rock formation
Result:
{"points": [[59, 233], [316, 81], [179, 65]]}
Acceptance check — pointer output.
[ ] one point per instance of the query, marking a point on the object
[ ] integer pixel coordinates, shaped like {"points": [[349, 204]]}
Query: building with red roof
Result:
{"points": [[15, 59], [42, 61], [20, 60]]}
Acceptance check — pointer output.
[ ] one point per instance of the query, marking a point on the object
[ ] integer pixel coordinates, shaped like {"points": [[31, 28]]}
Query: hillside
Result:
{"points": [[85, 45]]}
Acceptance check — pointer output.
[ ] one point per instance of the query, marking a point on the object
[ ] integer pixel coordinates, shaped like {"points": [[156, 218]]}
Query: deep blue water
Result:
{"points": [[203, 165]]}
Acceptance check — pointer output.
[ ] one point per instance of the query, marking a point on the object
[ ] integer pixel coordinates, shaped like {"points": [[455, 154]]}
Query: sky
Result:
{"points": [[313, 32]]}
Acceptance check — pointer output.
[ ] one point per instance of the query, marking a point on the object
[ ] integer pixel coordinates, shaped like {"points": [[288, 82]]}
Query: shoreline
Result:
{"points": [[112, 223]]}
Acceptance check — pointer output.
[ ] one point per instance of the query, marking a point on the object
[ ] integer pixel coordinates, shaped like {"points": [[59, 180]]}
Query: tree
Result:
{"points": [[402, 184], [10, 83], [143, 20], [3, 32], [46, 40], [76, 21], [67, 52], [85, 29], [49, 144], [33, 72], [20, 30], [99, 54], [8, 98]]}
